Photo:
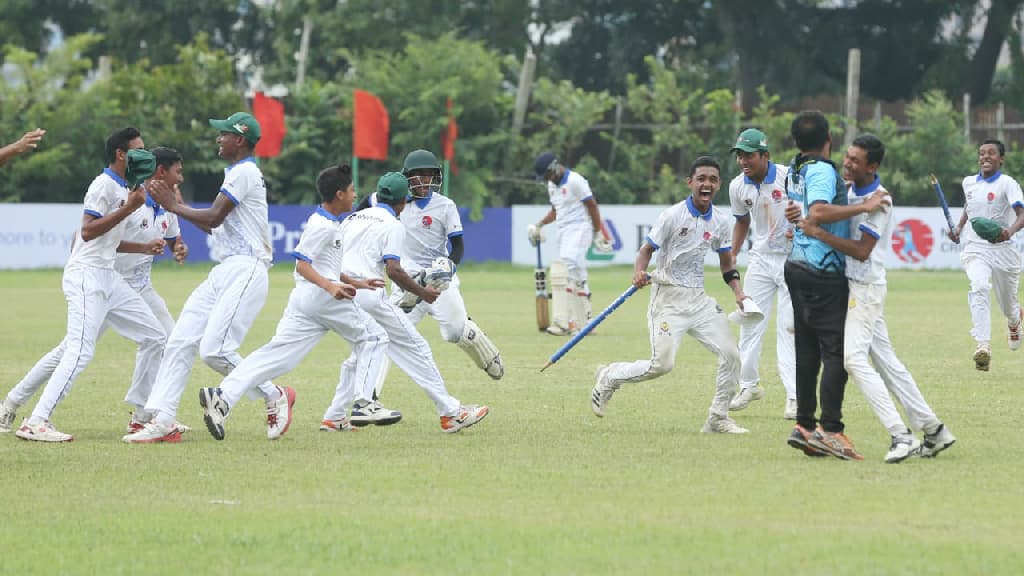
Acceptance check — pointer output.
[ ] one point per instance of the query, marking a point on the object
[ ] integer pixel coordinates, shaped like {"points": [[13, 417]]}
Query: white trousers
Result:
{"points": [[673, 312], [764, 283], [449, 310], [44, 368], [573, 243], [95, 297], [310, 314], [214, 321], [867, 337], [995, 268]]}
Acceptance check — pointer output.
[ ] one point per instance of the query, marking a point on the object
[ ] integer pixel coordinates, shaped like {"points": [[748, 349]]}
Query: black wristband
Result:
{"points": [[730, 276]]}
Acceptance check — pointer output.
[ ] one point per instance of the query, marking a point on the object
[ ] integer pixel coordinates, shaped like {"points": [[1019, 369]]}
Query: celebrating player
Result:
{"points": [[96, 293], [758, 200], [994, 264], [866, 336], [679, 304], [321, 302], [221, 310], [27, 142], [572, 205]]}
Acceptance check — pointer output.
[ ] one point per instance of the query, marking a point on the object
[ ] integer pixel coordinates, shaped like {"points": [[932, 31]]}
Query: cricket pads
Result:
{"points": [[480, 348]]}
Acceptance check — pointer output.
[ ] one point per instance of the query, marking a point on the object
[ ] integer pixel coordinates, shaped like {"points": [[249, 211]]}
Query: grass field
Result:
{"points": [[540, 486]]}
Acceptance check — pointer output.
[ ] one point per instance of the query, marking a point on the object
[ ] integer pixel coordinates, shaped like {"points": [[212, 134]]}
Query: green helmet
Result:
{"points": [[421, 185]]}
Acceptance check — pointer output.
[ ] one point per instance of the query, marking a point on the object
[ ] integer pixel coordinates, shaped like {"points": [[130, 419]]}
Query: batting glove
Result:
{"points": [[535, 234], [602, 244]]}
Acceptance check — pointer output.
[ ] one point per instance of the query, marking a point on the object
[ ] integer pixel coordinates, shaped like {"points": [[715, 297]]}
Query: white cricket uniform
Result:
{"points": [[575, 230], [370, 237], [764, 204], [148, 223], [429, 223], [991, 266], [219, 313], [311, 313], [679, 305], [96, 295], [866, 335]]}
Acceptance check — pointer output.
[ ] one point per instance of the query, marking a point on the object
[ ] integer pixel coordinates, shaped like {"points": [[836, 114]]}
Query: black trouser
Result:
{"points": [[819, 300]]}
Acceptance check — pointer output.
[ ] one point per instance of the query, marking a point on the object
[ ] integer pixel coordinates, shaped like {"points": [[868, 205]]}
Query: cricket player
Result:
{"points": [[575, 209], [95, 292], [30, 141], [866, 337], [995, 265], [221, 310], [758, 200], [321, 302], [373, 239], [144, 228], [679, 304]]}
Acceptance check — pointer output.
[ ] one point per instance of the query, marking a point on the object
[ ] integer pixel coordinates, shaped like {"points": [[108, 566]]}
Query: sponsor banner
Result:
{"points": [[37, 235]]}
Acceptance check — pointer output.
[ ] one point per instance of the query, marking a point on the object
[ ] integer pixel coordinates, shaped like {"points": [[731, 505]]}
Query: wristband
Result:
{"points": [[730, 276]]}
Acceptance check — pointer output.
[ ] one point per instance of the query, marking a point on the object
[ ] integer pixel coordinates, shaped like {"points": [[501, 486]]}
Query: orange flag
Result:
{"points": [[448, 138], [270, 114], [369, 127]]}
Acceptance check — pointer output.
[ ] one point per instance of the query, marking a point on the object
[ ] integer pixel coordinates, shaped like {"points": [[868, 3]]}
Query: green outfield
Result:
{"points": [[539, 487]]}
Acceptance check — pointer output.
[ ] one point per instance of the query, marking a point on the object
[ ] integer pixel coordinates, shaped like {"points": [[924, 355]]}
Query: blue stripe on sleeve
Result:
{"points": [[225, 192], [652, 243], [300, 256], [456, 233], [391, 257], [867, 230], [94, 213]]}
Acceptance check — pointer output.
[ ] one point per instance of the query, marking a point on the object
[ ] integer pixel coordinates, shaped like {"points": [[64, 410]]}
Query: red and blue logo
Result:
{"points": [[912, 241]]}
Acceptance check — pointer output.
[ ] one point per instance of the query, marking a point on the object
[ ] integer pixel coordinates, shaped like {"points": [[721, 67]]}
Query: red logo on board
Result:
{"points": [[912, 240]]}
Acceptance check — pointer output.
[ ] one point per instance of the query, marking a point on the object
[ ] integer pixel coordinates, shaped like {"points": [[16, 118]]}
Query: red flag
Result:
{"points": [[448, 138], [369, 127], [270, 114]]}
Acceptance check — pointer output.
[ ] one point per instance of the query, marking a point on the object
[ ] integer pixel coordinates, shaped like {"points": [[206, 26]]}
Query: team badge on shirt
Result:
{"points": [[145, 223], [991, 196], [427, 221], [776, 194], [749, 203], [664, 329], [683, 231], [707, 235]]}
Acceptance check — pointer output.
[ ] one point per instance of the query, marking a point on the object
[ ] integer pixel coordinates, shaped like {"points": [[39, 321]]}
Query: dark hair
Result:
{"points": [[332, 179], [809, 130], [1000, 145], [872, 145], [704, 161], [165, 156], [119, 141]]}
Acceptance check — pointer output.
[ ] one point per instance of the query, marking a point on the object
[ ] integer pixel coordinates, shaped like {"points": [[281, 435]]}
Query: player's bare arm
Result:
{"points": [[727, 264], [337, 290], [153, 248], [825, 213], [363, 283], [206, 219], [93, 227], [859, 249], [643, 259], [954, 235], [27, 142], [405, 282], [458, 249], [1008, 233], [740, 230], [594, 212], [547, 219]]}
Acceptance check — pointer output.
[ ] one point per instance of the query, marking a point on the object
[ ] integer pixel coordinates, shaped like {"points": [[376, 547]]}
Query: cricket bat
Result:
{"points": [[942, 202], [541, 283]]}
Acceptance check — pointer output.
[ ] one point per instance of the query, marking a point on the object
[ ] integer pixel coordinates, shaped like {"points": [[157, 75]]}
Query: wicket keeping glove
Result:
{"points": [[987, 228]]}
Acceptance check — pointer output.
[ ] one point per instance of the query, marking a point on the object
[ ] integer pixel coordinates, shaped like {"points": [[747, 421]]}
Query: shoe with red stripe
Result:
{"points": [[154, 433], [467, 416], [279, 413], [42, 432]]}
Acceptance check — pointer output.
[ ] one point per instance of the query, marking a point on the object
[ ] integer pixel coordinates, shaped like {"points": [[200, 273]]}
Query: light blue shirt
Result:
{"points": [[817, 182]]}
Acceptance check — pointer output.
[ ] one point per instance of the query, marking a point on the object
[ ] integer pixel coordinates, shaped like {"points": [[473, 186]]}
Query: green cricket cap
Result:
{"points": [[141, 165], [751, 140], [239, 123], [391, 187]]}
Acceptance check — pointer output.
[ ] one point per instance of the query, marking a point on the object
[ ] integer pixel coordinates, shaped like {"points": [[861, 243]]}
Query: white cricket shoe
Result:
{"points": [[745, 397], [365, 413], [279, 413], [903, 446], [138, 421], [722, 425], [42, 432], [215, 411], [602, 392], [7, 414], [1013, 334], [937, 441], [790, 412], [342, 425], [154, 433], [467, 416], [982, 357]]}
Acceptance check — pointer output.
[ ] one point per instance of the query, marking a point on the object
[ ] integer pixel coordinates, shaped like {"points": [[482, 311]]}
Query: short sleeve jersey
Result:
{"points": [[878, 224], [567, 198], [682, 236], [429, 223], [246, 230], [148, 223], [320, 245], [816, 182], [370, 237], [107, 193], [765, 203], [993, 197]]}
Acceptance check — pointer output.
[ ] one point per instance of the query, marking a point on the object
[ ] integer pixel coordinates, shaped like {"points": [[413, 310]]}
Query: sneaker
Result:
{"points": [[936, 442], [42, 432], [556, 330], [7, 415], [745, 397], [789, 413], [834, 443], [215, 411], [468, 415], [982, 357], [153, 433], [602, 392], [136, 422], [722, 425], [800, 438], [1014, 332], [903, 446], [279, 413], [342, 425], [365, 413]]}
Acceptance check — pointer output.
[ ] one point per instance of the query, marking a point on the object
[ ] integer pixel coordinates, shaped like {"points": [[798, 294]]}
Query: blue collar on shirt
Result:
{"points": [[113, 175], [421, 203], [693, 210], [869, 188], [242, 161], [388, 208], [991, 178], [768, 177], [157, 209], [323, 212], [565, 177]]}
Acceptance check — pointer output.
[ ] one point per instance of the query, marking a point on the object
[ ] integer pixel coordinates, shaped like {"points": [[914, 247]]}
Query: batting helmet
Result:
{"points": [[420, 185], [545, 162]]}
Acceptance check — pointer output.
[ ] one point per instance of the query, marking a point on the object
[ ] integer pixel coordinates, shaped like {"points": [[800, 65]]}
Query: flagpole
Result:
{"points": [[355, 174], [444, 178]]}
